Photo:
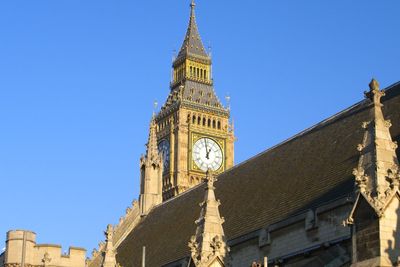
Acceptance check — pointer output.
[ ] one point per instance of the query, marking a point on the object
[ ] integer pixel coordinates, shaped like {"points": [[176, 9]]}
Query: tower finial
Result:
{"points": [[192, 7], [374, 93], [228, 101], [155, 105]]}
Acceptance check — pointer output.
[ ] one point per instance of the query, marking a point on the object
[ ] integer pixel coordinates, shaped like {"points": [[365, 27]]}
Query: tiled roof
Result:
{"points": [[312, 168]]}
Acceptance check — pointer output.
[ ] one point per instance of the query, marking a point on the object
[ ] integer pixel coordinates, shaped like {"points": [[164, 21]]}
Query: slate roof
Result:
{"points": [[200, 93], [312, 168], [195, 94], [192, 44]]}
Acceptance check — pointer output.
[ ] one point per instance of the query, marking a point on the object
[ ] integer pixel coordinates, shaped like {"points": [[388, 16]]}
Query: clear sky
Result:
{"points": [[78, 79]]}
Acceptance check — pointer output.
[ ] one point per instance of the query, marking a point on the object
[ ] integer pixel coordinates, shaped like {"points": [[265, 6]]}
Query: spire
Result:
{"points": [[376, 175], [208, 245], [192, 44], [109, 253], [152, 149]]}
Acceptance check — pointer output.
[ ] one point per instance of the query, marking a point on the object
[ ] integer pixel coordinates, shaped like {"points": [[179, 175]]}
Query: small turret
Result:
{"points": [[151, 169]]}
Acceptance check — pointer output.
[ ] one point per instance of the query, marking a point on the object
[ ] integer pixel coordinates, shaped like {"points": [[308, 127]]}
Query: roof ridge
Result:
{"points": [[311, 128], [390, 87]]}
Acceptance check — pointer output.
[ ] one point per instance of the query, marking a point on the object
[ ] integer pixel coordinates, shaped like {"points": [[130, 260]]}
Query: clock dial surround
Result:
{"points": [[163, 148], [207, 154]]}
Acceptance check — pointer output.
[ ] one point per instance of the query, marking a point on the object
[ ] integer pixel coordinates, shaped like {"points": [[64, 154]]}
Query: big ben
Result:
{"points": [[192, 128]]}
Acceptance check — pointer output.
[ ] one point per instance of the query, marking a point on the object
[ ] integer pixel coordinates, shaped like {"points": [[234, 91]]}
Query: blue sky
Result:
{"points": [[78, 79]]}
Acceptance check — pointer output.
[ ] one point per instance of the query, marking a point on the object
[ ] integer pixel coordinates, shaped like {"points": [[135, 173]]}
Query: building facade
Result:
{"points": [[328, 196]]}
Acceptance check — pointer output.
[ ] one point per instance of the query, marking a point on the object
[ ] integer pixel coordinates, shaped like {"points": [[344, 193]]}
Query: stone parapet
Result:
{"points": [[22, 250], [121, 230]]}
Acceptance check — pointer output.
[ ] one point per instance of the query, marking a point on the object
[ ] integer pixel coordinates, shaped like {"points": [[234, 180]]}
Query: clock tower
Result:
{"points": [[193, 129]]}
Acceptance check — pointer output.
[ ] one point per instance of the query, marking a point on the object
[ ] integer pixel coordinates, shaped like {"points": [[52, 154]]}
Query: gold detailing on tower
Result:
{"points": [[192, 62]]}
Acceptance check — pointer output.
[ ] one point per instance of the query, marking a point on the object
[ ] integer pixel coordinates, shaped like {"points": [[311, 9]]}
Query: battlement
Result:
{"points": [[22, 250]]}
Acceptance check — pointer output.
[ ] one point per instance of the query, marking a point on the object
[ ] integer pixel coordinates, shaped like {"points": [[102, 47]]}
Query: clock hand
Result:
{"points": [[207, 151]]}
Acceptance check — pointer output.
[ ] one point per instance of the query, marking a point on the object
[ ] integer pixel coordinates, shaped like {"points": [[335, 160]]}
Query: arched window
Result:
{"points": [[219, 125], [214, 125], [198, 120], [198, 73], [191, 71], [201, 73], [204, 121], [209, 123], [205, 74], [193, 119]]}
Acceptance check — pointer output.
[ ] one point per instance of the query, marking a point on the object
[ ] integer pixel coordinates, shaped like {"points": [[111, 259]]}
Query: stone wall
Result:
{"points": [[376, 239], [2, 259], [312, 236]]}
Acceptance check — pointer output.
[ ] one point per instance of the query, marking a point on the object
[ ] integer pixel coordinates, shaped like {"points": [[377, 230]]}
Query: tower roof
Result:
{"points": [[192, 45]]}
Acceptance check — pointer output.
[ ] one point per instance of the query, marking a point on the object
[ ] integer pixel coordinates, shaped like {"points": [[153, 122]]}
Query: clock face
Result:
{"points": [[163, 148], [207, 154]]}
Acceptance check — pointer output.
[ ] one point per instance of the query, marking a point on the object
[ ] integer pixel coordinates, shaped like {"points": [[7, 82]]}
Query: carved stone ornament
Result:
{"points": [[360, 147], [394, 177], [94, 253], [109, 232], [360, 178], [193, 246], [46, 259], [216, 244]]}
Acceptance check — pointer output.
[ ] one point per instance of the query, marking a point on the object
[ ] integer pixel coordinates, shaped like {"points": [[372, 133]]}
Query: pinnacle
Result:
{"points": [[209, 240], [377, 170], [109, 253], [152, 150]]}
